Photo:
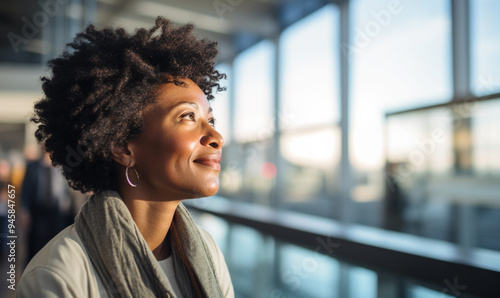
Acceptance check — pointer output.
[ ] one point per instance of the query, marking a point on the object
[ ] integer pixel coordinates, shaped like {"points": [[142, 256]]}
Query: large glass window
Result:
{"points": [[309, 113], [443, 173], [416, 168], [485, 47], [281, 269], [254, 93], [247, 171], [485, 140], [400, 57], [309, 71]]}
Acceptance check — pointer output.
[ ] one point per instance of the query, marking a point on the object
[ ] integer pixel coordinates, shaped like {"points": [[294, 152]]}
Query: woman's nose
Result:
{"points": [[212, 138]]}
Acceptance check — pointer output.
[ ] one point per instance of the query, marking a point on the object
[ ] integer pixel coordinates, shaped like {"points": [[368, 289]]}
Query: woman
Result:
{"points": [[127, 117]]}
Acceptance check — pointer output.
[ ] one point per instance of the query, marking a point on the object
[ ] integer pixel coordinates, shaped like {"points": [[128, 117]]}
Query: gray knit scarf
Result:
{"points": [[123, 261]]}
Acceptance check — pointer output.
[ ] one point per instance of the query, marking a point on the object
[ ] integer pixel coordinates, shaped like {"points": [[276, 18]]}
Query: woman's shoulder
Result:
{"points": [[64, 248], [61, 267], [219, 263], [209, 240]]}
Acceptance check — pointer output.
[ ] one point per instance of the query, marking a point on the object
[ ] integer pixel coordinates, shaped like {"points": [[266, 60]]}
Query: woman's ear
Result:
{"points": [[123, 155]]}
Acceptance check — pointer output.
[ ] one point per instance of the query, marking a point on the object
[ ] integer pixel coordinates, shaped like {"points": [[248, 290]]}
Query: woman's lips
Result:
{"points": [[212, 161]]}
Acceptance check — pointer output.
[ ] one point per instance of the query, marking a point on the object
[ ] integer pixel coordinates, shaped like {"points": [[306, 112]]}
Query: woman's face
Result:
{"points": [[179, 151]]}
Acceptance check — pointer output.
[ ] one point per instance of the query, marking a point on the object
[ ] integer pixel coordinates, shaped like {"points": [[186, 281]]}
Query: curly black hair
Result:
{"points": [[102, 84]]}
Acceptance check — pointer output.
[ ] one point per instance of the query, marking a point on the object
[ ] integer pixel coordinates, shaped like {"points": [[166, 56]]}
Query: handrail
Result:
{"points": [[427, 260]]}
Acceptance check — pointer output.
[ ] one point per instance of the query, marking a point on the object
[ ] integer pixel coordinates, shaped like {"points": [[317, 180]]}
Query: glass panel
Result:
{"points": [[443, 171], [309, 103], [421, 292], [485, 46], [262, 266], [400, 57], [483, 189], [310, 170], [486, 139], [248, 172], [254, 92], [309, 71], [362, 283], [395, 45], [245, 248], [308, 274], [419, 156], [420, 142]]}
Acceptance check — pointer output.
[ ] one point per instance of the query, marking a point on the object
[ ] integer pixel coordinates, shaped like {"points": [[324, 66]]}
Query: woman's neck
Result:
{"points": [[153, 219]]}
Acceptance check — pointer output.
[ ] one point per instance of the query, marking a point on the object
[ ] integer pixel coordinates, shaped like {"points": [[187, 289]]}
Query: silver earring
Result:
{"points": [[128, 179]]}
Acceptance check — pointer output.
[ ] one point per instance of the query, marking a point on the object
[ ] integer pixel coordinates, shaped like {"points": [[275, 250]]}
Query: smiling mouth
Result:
{"points": [[213, 163]]}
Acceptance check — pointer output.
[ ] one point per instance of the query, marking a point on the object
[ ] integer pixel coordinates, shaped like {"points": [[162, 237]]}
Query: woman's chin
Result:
{"points": [[206, 191], [211, 192]]}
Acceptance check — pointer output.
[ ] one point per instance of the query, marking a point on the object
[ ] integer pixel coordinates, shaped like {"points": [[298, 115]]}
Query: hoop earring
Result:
{"points": [[128, 179]]}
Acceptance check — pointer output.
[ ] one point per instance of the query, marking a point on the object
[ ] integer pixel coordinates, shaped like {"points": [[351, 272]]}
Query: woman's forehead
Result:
{"points": [[170, 95]]}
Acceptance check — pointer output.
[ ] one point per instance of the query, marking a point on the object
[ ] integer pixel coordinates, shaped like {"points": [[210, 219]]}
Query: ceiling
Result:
{"points": [[234, 24]]}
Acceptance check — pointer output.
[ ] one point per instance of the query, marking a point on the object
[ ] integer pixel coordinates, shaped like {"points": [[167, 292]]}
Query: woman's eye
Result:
{"points": [[188, 116], [212, 122]]}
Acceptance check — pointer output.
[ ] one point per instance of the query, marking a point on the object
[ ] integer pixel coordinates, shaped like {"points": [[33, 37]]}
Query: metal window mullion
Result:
{"points": [[460, 20], [466, 231], [345, 166]]}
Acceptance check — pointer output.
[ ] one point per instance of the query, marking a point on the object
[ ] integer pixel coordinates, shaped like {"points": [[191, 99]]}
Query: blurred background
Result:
{"points": [[362, 138]]}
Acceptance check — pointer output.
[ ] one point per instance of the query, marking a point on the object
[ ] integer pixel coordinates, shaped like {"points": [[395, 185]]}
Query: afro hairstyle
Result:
{"points": [[102, 84]]}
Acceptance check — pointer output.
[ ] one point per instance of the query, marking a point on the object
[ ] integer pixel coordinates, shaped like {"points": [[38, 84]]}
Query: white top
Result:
{"points": [[63, 269], [167, 266]]}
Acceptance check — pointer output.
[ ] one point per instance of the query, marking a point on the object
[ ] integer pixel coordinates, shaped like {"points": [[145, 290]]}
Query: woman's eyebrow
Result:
{"points": [[191, 103]]}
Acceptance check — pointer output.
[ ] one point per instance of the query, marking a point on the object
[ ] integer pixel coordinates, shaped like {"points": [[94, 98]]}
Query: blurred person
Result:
{"points": [[32, 152], [127, 116], [394, 203], [18, 164], [47, 202]]}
